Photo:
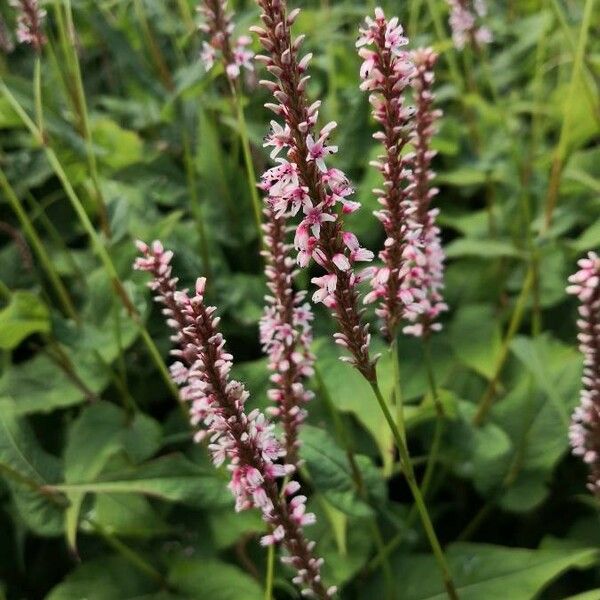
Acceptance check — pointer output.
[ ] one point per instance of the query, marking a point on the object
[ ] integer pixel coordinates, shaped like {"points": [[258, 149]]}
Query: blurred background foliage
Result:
{"points": [[103, 496]]}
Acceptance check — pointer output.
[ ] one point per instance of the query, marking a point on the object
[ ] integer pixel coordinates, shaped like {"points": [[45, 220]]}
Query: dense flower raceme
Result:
{"points": [[426, 261], [30, 21], [386, 72], [408, 284], [465, 23], [218, 27], [584, 432], [303, 183], [217, 408], [285, 334]]}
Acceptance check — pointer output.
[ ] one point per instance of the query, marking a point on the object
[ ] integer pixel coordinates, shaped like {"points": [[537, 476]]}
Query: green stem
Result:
{"points": [[250, 174], [439, 422], [417, 496], [73, 59], [37, 92], [196, 204], [560, 151], [97, 244], [398, 399], [38, 247], [487, 400], [270, 572], [344, 438]]}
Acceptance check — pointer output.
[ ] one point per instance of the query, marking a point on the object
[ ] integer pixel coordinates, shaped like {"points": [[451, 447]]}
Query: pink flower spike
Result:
{"points": [[584, 432], [245, 441]]}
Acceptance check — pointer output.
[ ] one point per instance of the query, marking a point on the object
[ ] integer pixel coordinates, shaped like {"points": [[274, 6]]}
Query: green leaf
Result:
{"points": [[93, 438], [330, 471], [172, 478], [350, 392], [485, 571], [24, 315], [27, 467], [481, 248], [476, 338], [105, 578], [199, 578], [119, 147]]}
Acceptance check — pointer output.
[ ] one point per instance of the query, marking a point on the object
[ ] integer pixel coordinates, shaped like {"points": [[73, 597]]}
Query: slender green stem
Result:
{"points": [[398, 399], [344, 438], [270, 572], [560, 151], [418, 498], [250, 174], [487, 400], [97, 244], [155, 52], [38, 247], [439, 421], [196, 204], [66, 32], [37, 92]]}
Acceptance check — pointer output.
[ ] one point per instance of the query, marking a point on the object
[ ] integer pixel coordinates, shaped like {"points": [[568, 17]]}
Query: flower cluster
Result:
{"points": [[218, 27], [285, 334], [584, 433], [303, 182], [426, 260], [386, 72], [464, 23], [29, 22], [217, 407]]}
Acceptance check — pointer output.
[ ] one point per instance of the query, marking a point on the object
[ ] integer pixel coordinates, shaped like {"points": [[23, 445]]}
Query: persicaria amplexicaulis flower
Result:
{"points": [[425, 275], [285, 334], [303, 183], [30, 21], [464, 23], [386, 72], [245, 441], [584, 433], [218, 27]]}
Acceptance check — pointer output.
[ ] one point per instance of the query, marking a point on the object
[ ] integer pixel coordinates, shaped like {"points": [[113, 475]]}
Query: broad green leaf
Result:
{"points": [[106, 578], [485, 571], [24, 315], [350, 392], [26, 467], [330, 471], [476, 338], [481, 248], [119, 147], [172, 478], [213, 579], [128, 515], [93, 438]]}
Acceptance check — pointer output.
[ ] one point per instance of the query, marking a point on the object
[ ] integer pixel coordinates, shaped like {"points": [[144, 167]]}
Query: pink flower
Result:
{"points": [[29, 22], [326, 285], [208, 56], [317, 151], [584, 432], [244, 441], [464, 23]]}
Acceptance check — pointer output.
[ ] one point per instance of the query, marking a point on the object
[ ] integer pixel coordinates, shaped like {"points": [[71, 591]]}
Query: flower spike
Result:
{"points": [[584, 433], [303, 182], [217, 408]]}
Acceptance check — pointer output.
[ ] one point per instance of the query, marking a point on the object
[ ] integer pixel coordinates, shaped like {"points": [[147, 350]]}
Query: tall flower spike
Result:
{"points": [[30, 21], [218, 27], [584, 433], [303, 182], [465, 17], [426, 263], [386, 72], [285, 334], [243, 440]]}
